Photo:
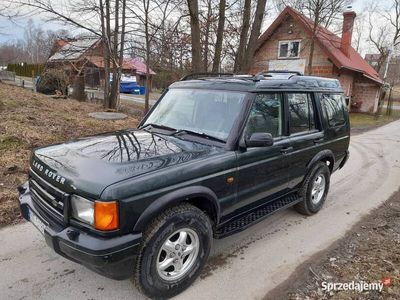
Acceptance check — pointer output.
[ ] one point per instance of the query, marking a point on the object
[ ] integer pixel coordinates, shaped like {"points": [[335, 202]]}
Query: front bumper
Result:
{"points": [[112, 257]]}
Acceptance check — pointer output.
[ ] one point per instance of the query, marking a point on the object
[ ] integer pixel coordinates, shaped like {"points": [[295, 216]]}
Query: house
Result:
{"points": [[285, 45], [85, 56], [390, 70]]}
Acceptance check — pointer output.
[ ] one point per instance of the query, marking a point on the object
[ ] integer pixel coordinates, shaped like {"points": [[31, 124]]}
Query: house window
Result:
{"points": [[289, 49]]}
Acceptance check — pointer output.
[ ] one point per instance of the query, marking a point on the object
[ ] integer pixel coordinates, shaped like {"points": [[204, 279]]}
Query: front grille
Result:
{"points": [[48, 198]]}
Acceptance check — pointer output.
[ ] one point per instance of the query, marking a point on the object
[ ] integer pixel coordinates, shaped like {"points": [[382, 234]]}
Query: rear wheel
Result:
{"points": [[175, 248], [314, 190]]}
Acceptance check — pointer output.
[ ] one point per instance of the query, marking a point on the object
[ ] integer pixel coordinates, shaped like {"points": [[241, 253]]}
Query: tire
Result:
{"points": [[149, 277], [313, 202]]}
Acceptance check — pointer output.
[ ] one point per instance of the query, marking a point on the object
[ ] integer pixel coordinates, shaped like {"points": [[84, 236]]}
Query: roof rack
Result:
{"points": [[279, 74], [205, 74], [284, 72]]}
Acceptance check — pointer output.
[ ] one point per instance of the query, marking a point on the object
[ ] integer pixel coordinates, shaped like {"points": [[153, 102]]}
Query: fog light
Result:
{"points": [[106, 215]]}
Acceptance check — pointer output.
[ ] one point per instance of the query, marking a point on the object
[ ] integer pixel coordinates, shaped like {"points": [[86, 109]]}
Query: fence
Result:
{"points": [[26, 70], [7, 75]]}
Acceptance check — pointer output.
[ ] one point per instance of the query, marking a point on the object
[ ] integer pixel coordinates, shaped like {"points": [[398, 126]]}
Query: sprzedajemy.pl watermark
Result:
{"points": [[358, 286]]}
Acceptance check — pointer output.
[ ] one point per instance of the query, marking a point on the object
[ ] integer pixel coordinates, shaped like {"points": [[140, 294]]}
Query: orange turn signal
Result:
{"points": [[106, 215]]}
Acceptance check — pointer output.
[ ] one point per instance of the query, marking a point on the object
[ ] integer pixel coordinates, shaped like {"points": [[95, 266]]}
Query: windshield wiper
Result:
{"points": [[200, 134], [158, 126]]}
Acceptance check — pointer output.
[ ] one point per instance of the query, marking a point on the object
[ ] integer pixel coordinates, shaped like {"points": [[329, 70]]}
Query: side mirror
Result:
{"points": [[260, 139]]}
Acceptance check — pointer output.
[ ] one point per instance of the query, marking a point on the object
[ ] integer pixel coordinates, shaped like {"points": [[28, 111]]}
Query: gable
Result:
{"points": [[327, 41]]}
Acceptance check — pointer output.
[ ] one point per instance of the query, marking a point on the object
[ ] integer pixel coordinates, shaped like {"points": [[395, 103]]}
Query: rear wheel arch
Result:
{"points": [[325, 156], [198, 196]]}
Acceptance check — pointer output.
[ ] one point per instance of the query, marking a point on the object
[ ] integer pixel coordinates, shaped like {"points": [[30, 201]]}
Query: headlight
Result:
{"points": [[101, 215], [82, 209]]}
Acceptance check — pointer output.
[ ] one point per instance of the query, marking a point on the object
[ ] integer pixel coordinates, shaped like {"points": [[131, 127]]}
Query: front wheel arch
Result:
{"points": [[199, 196]]}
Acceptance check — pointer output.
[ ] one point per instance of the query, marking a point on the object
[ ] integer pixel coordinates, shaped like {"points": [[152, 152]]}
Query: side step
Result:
{"points": [[256, 215]]}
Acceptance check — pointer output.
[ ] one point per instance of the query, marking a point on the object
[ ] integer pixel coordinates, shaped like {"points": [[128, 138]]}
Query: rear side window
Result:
{"points": [[334, 106], [301, 112]]}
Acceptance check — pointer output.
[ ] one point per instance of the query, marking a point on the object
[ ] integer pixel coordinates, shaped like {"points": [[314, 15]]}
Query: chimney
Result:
{"points": [[347, 30]]}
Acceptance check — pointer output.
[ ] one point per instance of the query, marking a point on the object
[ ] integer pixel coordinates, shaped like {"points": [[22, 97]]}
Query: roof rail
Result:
{"points": [[279, 74], [284, 72], [205, 74]]}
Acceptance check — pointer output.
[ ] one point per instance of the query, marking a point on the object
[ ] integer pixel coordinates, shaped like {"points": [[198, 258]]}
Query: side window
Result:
{"points": [[265, 115], [301, 112], [334, 106]]}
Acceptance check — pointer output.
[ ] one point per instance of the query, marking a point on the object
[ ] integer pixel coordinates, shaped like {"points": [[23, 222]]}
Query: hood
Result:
{"points": [[87, 165]]}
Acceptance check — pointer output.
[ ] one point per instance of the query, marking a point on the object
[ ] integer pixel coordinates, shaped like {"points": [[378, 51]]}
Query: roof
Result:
{"points": [[329, 42], [73, 50], [98, 61], [252, 84], [139, 66]]}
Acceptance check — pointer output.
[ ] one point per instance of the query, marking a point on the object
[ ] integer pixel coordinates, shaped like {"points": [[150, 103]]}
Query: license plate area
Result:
{"points": [[37, 222]]}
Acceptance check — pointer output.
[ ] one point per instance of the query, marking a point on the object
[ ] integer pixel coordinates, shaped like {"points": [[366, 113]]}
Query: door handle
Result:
{"points": [[318, 140], [287, 149]]}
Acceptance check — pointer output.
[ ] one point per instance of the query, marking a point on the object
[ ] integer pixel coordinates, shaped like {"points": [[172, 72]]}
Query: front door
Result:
{"points": [[263, 171]]}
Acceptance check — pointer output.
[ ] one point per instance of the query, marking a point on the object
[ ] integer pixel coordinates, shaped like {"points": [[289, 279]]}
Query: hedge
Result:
{"points": [[26, 69]]}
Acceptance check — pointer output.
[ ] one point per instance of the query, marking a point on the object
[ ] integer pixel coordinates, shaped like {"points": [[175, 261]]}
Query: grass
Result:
{"points": [[31, 120], [362, 121]]}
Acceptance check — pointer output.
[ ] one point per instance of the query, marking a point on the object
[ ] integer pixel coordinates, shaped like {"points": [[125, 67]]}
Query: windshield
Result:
{"points": [[202, 111]]}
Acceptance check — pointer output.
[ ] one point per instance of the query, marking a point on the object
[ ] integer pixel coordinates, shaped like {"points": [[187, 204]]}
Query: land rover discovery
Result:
{"points": [[214, 155]]}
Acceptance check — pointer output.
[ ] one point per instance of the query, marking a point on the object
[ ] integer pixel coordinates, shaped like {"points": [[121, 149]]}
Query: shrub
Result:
{"points": [[53, 81]]}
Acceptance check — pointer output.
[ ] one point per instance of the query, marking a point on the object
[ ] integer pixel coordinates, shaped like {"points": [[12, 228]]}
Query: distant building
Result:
{"points": [[86, 55], [285, 45], [380, 64]]}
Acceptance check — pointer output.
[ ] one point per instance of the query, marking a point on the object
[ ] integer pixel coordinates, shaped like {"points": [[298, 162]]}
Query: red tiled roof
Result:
{"points": [[132, 64], [98, 61], [138, 65], [329, 42]]}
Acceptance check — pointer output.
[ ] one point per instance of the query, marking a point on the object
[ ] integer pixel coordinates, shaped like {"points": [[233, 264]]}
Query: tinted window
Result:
{"points": [[334, 106], [301, 112], [266, 115]]}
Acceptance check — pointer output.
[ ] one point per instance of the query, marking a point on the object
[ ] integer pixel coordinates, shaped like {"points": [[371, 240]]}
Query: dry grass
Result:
{"points": [[30, 120], [361, 122]]}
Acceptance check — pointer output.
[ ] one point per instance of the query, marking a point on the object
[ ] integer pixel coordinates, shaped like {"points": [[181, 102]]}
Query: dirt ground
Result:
{"points": [[369, 252], [29, 120]]}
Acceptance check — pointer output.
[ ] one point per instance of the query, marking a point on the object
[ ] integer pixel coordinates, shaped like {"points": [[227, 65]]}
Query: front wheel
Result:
{"points": [[314, 190], [174, 250]]}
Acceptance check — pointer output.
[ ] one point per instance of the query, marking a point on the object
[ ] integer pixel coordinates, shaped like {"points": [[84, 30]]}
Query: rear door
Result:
{"points": [[306, 135], [336, 123]]}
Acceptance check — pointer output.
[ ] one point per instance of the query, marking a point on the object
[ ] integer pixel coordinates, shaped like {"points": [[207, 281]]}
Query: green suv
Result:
{"points": [[214, 155]]}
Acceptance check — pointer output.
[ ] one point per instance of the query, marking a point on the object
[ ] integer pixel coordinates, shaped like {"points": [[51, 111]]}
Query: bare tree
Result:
{"points": [[384, 36], [84, 16], [193, 7], [240, 56], [255, 33], [220, 36]]}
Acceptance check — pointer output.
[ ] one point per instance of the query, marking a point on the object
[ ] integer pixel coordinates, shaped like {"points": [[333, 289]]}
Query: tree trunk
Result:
{"points": [[114, 92], [195, 33], [239, 60], [220, 36], [106, 32], [206, 36], [255, 33], [147, 37], [78, 87], [313, 38]]}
